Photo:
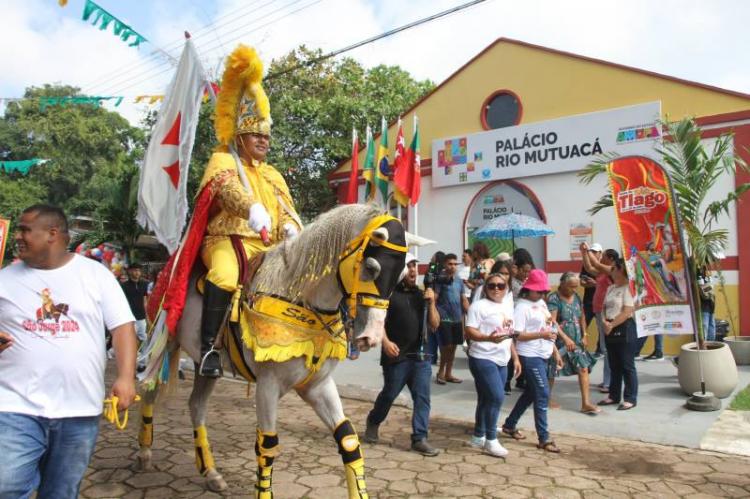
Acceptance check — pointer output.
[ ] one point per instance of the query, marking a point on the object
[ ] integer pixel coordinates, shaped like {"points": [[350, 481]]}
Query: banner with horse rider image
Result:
{"points": [[652, 247]]}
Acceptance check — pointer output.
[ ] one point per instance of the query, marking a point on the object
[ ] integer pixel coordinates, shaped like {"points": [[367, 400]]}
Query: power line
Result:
{"points": [[375, 38], [146, 75], [119, 88], [154, 56]]}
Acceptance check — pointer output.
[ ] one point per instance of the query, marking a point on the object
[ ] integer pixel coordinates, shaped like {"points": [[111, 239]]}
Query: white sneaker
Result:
{"points": [[476, 442], [494, 448]]}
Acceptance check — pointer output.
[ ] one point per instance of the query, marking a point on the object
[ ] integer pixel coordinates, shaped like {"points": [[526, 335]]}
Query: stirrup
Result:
{"points": [[203, 362]]}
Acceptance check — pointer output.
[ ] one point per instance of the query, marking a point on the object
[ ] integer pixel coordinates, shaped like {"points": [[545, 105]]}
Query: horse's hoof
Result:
{"points": [[144, 462], [215, 481]]}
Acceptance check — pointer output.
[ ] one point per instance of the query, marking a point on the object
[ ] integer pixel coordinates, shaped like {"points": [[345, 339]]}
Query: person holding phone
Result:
{"points": [[489, 326], [536, 335]]}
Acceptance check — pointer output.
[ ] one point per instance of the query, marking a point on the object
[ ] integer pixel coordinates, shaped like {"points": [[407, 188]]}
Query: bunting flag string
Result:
{"points": [[104, 19], [96, 101], [149, 99], [22, 166]]}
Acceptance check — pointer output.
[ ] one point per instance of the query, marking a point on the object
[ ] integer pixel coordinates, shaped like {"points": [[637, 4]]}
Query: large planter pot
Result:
{"points": [[740, 348], [719, 369]]}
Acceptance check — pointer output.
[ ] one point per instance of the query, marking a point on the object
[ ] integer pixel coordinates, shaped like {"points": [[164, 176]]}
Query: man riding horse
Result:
{"points": [[243, 205], [292, 334]]}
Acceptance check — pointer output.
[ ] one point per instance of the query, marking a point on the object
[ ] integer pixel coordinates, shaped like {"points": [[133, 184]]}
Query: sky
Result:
{"points": [[40, 42]]}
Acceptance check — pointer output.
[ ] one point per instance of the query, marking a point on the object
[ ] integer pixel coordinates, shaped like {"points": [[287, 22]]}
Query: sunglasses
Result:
{"points": [[492, 286]]}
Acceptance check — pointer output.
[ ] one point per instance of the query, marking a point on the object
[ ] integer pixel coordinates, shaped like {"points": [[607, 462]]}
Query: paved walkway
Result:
{"points": [[660, 418], [309, 466]]}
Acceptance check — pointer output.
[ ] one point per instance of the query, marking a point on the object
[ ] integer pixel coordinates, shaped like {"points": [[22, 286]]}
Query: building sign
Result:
{"points": [[580, 233], [4, 227], [561, 145], [651, 246]]}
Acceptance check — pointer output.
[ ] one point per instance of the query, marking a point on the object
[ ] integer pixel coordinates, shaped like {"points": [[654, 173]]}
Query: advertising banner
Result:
{"points": [[4, 227], [560, 145], [651, 245]]}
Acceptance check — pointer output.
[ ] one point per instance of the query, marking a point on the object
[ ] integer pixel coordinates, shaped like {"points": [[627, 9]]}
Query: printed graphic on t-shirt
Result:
{"points": [[51, 318]]}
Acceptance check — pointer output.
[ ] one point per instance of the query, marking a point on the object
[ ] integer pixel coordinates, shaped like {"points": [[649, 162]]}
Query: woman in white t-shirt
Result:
{"points": [[489, 326], [535, 336], [621, 339]]}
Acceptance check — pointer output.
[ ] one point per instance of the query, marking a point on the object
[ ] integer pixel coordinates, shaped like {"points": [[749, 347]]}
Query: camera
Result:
{"points": [[436, 274]]}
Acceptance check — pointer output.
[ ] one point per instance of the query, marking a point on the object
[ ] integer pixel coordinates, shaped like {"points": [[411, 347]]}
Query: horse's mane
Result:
{"points": [[294, 267]]}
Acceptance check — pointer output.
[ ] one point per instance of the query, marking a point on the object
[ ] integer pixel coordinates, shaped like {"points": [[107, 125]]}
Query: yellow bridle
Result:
{"points": [[350, 262]]}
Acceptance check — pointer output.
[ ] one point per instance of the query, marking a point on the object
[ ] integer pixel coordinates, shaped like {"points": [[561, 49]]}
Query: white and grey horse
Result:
{"points": [[305, 270]]}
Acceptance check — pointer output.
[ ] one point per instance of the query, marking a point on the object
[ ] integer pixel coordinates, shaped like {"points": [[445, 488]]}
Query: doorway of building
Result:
{"points": [[501, 198]]}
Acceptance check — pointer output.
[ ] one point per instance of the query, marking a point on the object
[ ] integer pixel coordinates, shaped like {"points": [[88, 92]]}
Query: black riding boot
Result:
{"points": [[216, 303]]}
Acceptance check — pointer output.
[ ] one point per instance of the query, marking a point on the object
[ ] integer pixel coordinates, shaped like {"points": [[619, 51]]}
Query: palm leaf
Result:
{"points": [[596, 167], [601, 203]]}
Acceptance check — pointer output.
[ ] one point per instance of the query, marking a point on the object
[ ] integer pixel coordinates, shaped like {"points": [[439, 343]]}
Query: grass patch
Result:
{"points": [[742, 401]]}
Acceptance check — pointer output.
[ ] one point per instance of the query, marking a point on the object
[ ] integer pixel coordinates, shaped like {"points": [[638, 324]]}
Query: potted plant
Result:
{"points": [[694, 171], [738, 345]]}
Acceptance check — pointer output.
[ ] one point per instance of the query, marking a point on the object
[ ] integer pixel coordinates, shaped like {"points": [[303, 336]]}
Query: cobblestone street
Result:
{"points": [[309, 465]]}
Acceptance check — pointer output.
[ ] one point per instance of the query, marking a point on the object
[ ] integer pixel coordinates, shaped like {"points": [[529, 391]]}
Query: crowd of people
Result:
{"points": [[512, 326], [501, 310]]}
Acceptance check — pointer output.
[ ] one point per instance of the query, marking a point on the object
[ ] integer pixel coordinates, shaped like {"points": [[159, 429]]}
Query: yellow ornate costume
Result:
{"points": [[242, 107], [230, 213], [248, 197]]}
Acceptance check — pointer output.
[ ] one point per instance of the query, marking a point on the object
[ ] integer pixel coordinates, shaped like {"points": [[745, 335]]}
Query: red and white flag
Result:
{"points": [[400, 168], [407, 178], [352, 194], [162, 191]]}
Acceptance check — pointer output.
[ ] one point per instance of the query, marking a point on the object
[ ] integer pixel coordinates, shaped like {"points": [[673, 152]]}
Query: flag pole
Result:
{"points": [[415, 211]]}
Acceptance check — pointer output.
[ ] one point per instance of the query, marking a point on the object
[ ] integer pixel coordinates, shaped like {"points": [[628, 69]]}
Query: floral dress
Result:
{"points": [[569, 319]]}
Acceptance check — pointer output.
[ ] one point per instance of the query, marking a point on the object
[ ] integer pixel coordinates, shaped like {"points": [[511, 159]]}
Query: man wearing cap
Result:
{"points": [[403, 359]]}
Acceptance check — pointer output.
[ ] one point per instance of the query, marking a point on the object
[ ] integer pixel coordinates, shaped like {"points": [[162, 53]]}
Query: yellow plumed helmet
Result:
{"points": [[242, 105]]}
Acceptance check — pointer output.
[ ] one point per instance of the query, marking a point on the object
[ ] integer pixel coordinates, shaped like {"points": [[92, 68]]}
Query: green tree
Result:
{"points": [[90, 151], [693, 171], [314, 108]]}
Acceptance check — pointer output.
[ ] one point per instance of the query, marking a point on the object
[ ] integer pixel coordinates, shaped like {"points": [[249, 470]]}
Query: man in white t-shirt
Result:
{"points": [[54, 308]]}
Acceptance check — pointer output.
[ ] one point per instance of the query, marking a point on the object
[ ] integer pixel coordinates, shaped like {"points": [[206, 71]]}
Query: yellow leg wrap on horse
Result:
{"points": [[266, 449], [146, 433], [204, 460], [354, 461]]}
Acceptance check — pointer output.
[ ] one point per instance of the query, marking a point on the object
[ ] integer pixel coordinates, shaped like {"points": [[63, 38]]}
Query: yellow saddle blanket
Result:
{"points": [[276, 330]]}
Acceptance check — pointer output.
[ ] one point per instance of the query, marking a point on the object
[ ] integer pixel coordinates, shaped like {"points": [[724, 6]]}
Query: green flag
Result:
{"points": [[368, 171]]}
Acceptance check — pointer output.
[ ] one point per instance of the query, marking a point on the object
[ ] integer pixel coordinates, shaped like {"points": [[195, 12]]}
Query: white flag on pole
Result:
{"points": [[162, 191]]}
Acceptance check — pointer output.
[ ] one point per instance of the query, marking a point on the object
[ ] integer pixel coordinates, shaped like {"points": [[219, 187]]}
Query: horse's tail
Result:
{"points": [[162, 362]]}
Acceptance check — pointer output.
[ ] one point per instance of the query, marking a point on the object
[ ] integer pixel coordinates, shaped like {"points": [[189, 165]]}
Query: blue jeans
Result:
{"points": [[432, 346], [489, 380], [416, 375], [658, 344], [622, 361], [47, 455], [709, 326], [537, 393], [603, 347]]}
